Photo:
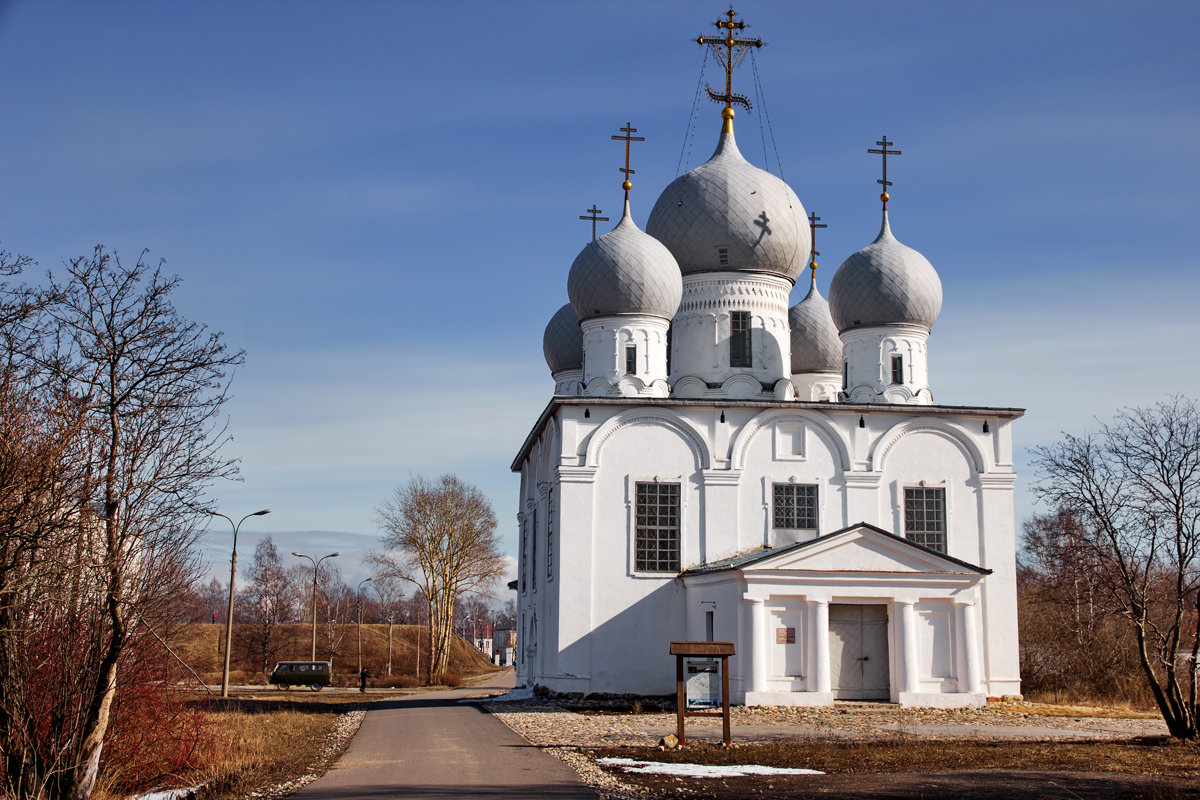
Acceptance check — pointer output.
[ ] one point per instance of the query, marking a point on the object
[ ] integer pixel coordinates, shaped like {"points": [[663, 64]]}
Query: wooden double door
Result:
{"points": [[858, 651]]}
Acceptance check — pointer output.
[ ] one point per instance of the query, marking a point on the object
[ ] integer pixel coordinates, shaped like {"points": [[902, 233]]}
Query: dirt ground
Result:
{"points": [[952, 785]]}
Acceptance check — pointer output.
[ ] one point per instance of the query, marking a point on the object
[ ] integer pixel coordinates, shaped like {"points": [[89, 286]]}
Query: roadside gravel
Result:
{"points": [[570, 735]]}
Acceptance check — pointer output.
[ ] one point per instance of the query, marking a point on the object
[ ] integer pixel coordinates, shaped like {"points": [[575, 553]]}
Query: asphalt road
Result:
{"points": [[432, 746]]}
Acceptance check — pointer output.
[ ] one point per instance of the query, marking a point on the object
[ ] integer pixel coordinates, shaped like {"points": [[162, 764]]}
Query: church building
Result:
{"points": [[715, 465]]}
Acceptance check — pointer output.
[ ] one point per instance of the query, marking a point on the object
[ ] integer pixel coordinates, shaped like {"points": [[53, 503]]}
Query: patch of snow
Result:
{"points": [[701, 770], [509, 696], [168, 794]]}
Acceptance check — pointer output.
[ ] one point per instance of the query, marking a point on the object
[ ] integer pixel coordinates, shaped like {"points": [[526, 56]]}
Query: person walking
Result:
{"points": [[362, 680]]}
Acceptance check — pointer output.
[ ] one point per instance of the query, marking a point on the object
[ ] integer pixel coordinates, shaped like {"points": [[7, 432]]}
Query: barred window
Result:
{"points": [[739, 339], [631, 360], [533, 553], [657, 524], [550, 535], [524, 556], [795, 506], [897, 369], [925, 517]]}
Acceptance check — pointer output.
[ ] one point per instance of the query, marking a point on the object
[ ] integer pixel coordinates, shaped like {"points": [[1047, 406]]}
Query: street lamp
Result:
{"points": [[358, 611], [232, 575], [316, 566]]}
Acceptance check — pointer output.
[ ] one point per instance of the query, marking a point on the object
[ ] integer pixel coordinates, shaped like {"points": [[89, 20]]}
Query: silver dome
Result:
{"points": [[562, 343], [729, 204], [885, 283], [815, 343], [625, 271]]}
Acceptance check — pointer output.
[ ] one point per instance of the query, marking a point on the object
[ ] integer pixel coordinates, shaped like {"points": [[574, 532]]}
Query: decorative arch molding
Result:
{"points": [[883, 445], [741, 443], [643, 416]]}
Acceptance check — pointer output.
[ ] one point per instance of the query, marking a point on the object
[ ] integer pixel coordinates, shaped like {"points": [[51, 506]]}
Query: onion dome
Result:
{"points": [[625, 271], [815, 343], [885, 283], [562, 343], [729, 215]]}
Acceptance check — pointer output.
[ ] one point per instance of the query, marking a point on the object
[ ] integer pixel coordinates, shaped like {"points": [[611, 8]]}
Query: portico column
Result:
{"points": [[908, 640], [970, 647], [820, 645], [758, 640]]}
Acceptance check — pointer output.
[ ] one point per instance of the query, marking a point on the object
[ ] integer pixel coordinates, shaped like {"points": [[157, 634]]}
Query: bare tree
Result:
{"points": [[269, 601], [336, 600], [442, 538], [1133, 488], [149, 386], [390, 592], [43, 513]]}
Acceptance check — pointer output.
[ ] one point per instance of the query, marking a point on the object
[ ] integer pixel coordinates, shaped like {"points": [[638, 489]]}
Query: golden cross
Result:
{"points": [[884, 144], [594, 217], [629, 132], [734, 51]]}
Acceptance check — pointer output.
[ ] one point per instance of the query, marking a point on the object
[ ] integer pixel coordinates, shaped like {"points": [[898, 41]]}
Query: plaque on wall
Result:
{"points": [[785, 636]]}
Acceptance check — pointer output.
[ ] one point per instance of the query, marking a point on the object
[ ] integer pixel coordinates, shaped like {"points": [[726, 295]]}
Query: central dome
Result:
{"points": [[729, 215]]}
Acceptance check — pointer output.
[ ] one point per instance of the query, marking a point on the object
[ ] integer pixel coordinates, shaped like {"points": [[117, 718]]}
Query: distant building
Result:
{"points": [[716, 466]]}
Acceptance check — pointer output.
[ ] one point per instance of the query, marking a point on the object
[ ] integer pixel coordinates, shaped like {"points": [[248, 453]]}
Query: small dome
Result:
{"points": [[728, 204], [625, 271], [562, 342], [815, 343], [885, 283]]}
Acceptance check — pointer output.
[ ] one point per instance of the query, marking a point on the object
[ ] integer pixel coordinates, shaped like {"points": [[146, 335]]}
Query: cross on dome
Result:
{"points": [[628, 130], [884, 144], [734, 50], [813, 252], [594, 215]]}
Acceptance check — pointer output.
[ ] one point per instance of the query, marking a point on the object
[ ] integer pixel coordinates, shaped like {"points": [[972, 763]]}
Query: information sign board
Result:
{"points": [[703, 683]]}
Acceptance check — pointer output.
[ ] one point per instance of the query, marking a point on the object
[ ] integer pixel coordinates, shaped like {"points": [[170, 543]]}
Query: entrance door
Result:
{"points": [[858, 651]]}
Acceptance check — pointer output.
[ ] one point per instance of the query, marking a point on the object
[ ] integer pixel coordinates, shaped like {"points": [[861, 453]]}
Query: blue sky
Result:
{"points": [[379, 201]]}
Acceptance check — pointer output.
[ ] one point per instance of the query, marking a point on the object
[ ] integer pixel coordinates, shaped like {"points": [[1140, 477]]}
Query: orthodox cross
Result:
{"points": [[734, 51], [884, 144], [594, 216], [629, 132], [813, 251]]}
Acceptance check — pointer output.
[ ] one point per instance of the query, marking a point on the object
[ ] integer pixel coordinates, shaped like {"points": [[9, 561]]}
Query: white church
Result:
{"points": [[717, 466]]}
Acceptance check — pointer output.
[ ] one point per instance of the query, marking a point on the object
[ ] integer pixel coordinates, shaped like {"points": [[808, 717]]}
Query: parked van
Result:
{"points": [[313, 674]]}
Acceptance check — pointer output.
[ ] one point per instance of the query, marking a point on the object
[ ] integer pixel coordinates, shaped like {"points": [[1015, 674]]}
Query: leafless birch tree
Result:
{"points": [[442, 538], [1133, 488]]}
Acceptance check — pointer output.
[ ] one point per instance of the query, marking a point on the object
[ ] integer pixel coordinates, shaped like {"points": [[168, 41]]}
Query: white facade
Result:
{"points": [[592, 622]]}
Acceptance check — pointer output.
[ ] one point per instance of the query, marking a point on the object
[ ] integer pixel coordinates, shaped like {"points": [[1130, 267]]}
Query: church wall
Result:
{"points": [[788, 449]]}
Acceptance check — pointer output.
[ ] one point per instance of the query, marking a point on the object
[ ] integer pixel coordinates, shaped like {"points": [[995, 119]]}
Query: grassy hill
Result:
{"points": [[201, 647]]}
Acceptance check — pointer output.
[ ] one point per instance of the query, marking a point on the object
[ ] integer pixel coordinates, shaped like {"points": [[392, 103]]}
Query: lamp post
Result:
{"points": [[232, 575], [358, 612], [316, 566]]}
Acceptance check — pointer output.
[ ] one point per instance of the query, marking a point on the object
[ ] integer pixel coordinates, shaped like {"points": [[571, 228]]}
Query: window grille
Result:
{"points": [[631, 360], [897, 369], [925, 517], [739, 339], [657, 527], [795, 506]]}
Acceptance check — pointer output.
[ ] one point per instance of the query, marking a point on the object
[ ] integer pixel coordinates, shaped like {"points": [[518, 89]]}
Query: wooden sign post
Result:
{"points": [[697, 650]]}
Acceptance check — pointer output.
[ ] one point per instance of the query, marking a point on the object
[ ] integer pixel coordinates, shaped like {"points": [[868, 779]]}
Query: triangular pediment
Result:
{"points": [[858, 548]]}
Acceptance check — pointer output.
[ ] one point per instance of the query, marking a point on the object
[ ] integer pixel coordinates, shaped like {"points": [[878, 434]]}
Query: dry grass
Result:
{"points": [[243, 751], [200, 646], [1113, 710]]}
